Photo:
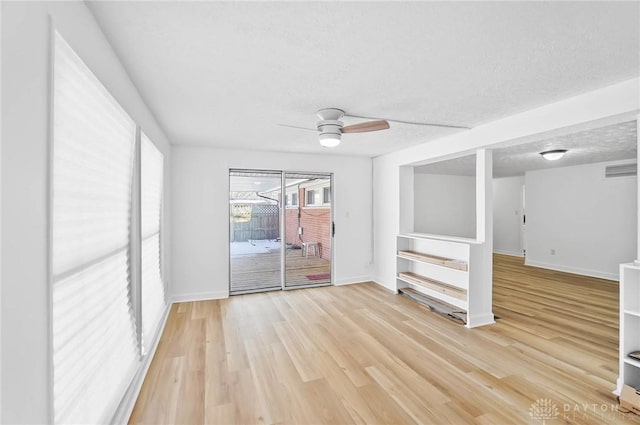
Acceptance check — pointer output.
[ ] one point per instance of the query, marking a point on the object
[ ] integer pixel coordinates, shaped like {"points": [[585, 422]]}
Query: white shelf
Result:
{"points": [[436, 305], [442, 268], [439, 237], [632, 266], [461, 304], [436, 267], [451, 263], [632, 362], [434, 285], [629, 369]]}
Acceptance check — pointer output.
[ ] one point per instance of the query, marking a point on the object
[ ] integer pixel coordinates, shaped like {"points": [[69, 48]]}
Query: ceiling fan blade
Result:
{"points": [[366, 126], [298, 127], [428, 124]]}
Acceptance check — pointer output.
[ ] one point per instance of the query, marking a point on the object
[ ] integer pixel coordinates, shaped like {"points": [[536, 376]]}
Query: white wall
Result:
{"points": [[589, 220], [445, 205], [507, 215], [608, 105], [25, 185], [201, 214]]}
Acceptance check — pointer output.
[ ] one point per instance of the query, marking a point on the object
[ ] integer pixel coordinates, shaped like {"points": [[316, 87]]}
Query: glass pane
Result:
{"points": [[254, 226], [308, 230]]}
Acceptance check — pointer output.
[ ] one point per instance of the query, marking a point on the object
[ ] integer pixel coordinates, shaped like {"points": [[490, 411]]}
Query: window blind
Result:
{"points": [[152, 286], [95, 348]]}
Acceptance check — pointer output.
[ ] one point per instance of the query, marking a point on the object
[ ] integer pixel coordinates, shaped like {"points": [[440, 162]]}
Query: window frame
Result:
{"points": [[319, 189], [310, 194], [144, 138], [292, 195]]}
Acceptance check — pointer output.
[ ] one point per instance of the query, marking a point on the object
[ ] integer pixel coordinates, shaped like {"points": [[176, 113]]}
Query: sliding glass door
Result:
{"points": [[280, 230], [254, 226], [308, 229]]}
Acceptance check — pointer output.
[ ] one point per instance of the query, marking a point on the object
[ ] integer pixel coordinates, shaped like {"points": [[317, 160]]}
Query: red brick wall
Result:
{"points": [[316, 225], [291, 221]]}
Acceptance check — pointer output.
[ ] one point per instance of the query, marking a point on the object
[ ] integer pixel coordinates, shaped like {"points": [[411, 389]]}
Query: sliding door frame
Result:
{"points": [[331, 227], [283, 230], [253, 170]]}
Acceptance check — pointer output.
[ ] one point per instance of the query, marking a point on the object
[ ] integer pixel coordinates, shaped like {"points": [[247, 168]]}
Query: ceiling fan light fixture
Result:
{"points": [[553, 155], [329, 140], [331, 129]]}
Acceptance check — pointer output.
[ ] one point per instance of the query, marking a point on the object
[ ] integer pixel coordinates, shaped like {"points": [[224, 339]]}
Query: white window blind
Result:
{"points": [[152, 292], [95, 347]]}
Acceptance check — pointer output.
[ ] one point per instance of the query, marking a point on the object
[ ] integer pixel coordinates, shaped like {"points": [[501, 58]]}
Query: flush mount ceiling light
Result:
{"points": [[329, 140], [553, 155]]}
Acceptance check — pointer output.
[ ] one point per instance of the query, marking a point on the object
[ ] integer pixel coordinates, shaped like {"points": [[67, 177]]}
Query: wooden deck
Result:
{"points": [[255, 272]]}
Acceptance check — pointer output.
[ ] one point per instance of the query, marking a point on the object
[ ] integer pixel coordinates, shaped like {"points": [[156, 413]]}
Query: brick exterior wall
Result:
{"points": [[291, 221], [316, 225]]}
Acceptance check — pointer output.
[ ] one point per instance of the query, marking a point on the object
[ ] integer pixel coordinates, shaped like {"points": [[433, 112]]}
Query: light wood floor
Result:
{"points": [[250, 272], [359, 354]]}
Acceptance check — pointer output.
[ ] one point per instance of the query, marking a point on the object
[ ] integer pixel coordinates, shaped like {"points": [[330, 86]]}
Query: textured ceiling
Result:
{"points": [[226, 73], [610, 143]]}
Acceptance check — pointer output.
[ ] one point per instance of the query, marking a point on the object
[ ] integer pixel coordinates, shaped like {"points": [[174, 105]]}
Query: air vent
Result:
{"points": [[621, 170]]}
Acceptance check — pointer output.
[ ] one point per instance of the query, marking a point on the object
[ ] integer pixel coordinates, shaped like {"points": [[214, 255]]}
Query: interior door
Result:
{"points": [[308, 223], [255, 244]]}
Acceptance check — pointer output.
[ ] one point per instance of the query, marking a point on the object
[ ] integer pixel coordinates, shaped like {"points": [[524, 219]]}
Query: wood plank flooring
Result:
{"points": [[359, 354]]}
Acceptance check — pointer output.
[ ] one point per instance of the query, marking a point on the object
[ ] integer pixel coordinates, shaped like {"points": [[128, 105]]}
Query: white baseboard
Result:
{"points": [[199, 296], [574, 270], [123, 413], [388, 288], [481, 320], [352, 280], [511, 253]]}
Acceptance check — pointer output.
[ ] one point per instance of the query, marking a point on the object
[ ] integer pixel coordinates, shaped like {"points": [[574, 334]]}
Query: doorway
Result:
{"points": [[280, 230]]}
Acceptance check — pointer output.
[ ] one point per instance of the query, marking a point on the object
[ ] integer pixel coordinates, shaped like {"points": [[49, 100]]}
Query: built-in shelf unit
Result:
{"points": [[448, 273], [435, 271], [629, 369]]}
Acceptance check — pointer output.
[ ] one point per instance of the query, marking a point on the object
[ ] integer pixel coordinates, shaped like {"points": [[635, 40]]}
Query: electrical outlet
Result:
{"points": [[300, 230], [553, 251]]}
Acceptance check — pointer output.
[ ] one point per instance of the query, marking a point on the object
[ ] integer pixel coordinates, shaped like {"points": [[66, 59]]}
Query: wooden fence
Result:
{"points": [[254, 222]]}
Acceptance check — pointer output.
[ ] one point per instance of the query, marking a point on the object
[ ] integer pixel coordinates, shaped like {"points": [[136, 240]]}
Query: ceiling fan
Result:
{"points": [[331, 128]]}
